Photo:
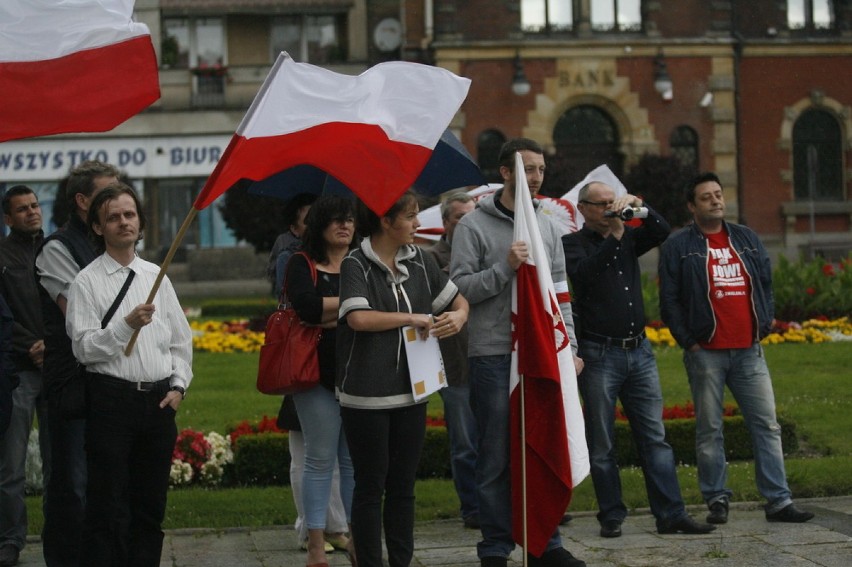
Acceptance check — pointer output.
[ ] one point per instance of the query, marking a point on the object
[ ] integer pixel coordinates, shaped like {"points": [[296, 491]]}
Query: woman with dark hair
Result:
{"points": [[312, 283], [386, 284]]}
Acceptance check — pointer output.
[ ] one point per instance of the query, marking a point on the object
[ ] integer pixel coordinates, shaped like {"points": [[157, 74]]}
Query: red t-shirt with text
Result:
{"points": [[730, 293]]}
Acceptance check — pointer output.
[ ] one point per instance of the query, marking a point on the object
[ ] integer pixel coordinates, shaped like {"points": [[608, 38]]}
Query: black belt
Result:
{"points": [[630, 343], [160, 386]]}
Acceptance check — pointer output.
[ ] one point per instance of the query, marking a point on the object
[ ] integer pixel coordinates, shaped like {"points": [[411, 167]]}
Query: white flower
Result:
{"points": [[180, 473]]}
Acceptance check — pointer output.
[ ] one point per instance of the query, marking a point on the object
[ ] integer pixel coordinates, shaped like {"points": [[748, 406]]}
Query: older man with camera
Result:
{"points": [[602, 261]]}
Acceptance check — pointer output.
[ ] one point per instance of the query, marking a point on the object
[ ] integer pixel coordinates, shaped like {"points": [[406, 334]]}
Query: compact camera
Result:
{"points": [[628, 213]]}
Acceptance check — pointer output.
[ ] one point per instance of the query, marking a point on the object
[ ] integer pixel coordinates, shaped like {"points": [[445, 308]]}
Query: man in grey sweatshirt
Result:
{"points": [[483, 264]]}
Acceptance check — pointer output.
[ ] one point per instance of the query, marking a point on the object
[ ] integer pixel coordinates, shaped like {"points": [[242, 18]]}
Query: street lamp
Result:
{"points": [[662, 82], [520, 85]]}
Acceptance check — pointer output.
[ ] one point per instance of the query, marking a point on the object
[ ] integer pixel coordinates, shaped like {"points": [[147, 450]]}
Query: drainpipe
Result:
{"points": [[739, 45]]}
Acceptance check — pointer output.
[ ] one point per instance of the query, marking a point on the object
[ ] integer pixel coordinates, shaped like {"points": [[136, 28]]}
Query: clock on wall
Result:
{"points": [[388, 34]]}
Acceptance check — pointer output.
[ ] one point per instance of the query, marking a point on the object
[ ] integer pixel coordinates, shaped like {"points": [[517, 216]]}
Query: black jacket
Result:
{"points": [[685, 283], [18, 287]]}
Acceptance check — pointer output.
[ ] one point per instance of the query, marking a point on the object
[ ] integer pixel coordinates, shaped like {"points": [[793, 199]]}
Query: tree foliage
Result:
{"points": [[256, 219], [661, 180]]}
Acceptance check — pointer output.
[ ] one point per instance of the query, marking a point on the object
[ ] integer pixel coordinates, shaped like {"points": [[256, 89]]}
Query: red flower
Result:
{"points": [[810, 291], [828, 270]]}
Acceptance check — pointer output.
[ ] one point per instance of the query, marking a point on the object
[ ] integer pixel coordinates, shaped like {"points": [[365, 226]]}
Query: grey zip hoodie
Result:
{"points": [[480, 268]]}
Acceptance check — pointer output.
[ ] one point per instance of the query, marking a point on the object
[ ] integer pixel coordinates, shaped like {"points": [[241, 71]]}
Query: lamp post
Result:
{"points": [[520, 85], [662, 81]]}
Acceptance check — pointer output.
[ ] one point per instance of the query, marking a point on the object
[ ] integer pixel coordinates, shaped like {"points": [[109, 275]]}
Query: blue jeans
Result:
{"points": [[65, 510], [489, 398], [325, 447], [461, 428], [744, 371], [630, 375], [27, 401]]}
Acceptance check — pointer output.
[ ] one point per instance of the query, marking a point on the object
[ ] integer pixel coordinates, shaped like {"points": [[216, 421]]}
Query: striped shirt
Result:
{"points": [[163, 348]]}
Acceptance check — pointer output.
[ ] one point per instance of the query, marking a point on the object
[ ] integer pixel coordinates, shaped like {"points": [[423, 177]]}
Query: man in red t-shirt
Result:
{"points": [[716, 298]]}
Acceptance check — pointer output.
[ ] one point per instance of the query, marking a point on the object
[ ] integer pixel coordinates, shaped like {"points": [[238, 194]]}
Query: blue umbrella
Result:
{"points": [[449, 167]]}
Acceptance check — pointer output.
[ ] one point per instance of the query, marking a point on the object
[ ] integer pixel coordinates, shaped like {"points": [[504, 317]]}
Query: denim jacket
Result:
{"points": [[685, 283]]}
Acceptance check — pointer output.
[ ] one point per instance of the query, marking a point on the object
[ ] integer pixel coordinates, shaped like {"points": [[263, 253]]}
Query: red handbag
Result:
{"points": [[288, 357]]}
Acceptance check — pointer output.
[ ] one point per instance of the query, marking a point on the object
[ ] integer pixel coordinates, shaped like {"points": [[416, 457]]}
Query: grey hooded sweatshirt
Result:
{"points": [[480, 268]]}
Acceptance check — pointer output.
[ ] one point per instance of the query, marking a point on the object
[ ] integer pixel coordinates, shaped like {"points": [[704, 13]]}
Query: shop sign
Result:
{"points": [[155, 157]]}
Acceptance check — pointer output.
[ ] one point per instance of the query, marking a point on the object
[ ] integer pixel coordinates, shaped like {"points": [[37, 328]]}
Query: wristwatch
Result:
{"points": [[180, 390]]}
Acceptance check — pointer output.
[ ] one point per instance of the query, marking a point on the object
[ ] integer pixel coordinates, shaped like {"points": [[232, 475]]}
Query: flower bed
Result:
{"points": [[257, 454], [236, 336]]}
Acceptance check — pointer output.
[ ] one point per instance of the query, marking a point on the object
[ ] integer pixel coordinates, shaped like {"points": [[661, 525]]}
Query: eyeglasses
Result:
{"points": [[601, 204]]}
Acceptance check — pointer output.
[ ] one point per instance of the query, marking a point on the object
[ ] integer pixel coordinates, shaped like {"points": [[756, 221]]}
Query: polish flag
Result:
{"points": [[552, 458], [72, 66], [373, 132]]}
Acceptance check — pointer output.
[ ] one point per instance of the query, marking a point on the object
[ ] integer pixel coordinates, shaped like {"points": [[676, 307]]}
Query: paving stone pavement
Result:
{"points": [[747, 540]]}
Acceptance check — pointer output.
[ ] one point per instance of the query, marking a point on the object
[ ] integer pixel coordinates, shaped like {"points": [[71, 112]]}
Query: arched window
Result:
{"points": [[684, 146], [488, 153], [584, 137], [817, 157]]}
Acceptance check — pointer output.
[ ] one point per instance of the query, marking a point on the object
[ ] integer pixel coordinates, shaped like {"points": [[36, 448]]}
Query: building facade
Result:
{"points": [[755, 90]]}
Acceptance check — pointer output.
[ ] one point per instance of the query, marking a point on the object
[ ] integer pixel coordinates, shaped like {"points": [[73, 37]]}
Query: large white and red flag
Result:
{"points": [[72, 66], [553, 452], [373, 132]]}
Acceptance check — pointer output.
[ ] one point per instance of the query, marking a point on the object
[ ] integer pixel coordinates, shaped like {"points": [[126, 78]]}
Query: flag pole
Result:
{"points": [[521, 385], [165, 266]]}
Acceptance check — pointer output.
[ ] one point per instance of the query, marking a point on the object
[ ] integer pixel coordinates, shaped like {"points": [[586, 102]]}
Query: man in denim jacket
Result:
{"points": [[716, 298]]}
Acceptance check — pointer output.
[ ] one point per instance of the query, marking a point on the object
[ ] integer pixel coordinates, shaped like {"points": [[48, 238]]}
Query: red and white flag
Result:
{"points": [[72, 66], [373, 132], [555, 454]]}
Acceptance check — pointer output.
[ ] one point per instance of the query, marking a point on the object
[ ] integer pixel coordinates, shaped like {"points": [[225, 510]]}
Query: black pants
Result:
{"points": [[129, 444], [385, 447], [65, 509]]}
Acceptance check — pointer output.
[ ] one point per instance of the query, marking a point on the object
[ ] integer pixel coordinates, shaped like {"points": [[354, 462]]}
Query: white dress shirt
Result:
{"points": [[163, 348]]}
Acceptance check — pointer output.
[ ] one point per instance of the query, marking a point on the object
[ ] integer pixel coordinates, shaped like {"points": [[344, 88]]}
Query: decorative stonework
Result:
{"points": [[594, 82], [791, 114]]}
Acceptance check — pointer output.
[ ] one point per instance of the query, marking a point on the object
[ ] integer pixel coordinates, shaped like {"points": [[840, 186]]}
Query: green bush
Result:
{"points": [[435, 457], [242, 308], [680, 434], [804, 290], [264, 459]]}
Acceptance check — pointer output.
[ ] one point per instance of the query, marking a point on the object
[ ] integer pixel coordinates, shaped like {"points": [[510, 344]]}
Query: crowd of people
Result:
{"points": [[72, 301]]}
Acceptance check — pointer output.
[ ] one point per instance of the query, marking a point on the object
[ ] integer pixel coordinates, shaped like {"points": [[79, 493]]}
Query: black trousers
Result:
{"points": [[385, 446], [65, 508], [129, 444]]}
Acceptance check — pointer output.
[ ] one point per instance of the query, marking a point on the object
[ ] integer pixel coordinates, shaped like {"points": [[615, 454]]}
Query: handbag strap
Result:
{"points": [[114, 307], [282, 300]]}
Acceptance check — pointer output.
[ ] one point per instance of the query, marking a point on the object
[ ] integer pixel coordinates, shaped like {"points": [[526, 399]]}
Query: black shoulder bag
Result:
{"points": [[72, 401]]}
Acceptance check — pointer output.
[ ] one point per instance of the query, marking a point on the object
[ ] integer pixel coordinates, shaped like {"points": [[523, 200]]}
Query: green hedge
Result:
{"points": [[680, 434], [264, 459], [246, 308]]}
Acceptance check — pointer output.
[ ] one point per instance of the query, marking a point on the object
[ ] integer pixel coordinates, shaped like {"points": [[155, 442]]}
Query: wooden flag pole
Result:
{"points": [[524, 465], [165, 266]]}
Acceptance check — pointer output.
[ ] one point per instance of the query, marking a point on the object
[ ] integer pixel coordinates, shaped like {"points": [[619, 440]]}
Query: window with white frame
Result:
{"points": [[616, 15], [546, 15], [198, 44], [316, 39], [193, 43], [810, 15]]}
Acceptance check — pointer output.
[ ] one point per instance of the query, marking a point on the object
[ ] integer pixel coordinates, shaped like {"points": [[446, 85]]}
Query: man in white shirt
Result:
{"points": [[61, 257], [130, 428]]}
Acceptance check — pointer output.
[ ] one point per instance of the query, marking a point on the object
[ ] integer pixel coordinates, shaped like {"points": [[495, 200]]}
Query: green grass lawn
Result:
{"points": [[812, 385]]}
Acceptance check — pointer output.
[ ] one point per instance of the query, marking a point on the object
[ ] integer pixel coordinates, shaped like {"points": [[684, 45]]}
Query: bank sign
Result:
{"points": [[155, 157]]}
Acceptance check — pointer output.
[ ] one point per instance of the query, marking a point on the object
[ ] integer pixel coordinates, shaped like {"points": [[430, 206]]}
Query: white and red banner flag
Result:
{"points": [[373, 132], [72, 66], [555, 454]]}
